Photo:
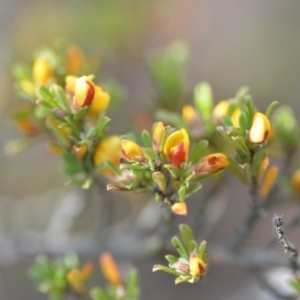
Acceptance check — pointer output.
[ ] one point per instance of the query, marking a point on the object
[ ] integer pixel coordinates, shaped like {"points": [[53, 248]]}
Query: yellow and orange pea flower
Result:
{"points": [[77, 277], [110, 269], [108, 149], [132, 151], [42, 70], [211, 164], [86, 93], [260, 129], [197, 266], [176, 148]]}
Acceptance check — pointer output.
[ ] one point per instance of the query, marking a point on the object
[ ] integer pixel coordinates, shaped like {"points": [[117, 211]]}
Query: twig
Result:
{"points": [[295, 222], [288, 246]]}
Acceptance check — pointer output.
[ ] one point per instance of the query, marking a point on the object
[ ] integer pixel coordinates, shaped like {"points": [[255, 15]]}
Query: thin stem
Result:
{"points": [[287, 245], [254, 213]]}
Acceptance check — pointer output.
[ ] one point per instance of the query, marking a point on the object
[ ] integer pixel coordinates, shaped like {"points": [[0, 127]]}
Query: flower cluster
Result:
{"points": [[69, 109], [190, 266], [165, 168]]}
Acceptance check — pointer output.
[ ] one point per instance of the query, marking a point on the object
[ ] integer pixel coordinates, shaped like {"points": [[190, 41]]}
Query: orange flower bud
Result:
{"points": [[75, 60], [295, 181], [74, 277], [189, 114], [197, 266], [177, 146], [108, 149], [87, 270], [180, 208], [268, 182], [132, 150], [212, 163], [54, 148], [42, 70], [110, 269], [27, 126], [158, 130], [260, 129]]}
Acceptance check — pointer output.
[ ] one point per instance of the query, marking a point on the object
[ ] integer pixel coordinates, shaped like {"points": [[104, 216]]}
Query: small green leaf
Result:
{"points": [[199, 151], [165, 269], [202, 250], [271, 108], [203, 96], [147, 139], [171, 258], [179, 247], [244, 121], [187, 235], [227, 121], [98, 293], [132, 284]]}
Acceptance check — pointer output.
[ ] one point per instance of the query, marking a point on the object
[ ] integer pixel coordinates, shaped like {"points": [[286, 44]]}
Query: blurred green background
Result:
{"points": [[232, 43]]}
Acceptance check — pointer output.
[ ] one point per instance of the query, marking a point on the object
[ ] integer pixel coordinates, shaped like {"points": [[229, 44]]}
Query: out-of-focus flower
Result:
{"points": [[27, 86], [295, 181], [189, 114], [87, 93], [27, 126], [77, 278], [75, 60], [108, 149], [211, 163], [158, 130], [260, 129], [110, 269], [222, 109], [177, 146], [197, 266], [54, 148], [180, 208], [132, 150], [70, 84], [268, 182], [42, 70]]}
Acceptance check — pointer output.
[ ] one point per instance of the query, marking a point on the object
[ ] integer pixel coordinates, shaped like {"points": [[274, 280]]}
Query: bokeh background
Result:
{"points": [[232, 43]]}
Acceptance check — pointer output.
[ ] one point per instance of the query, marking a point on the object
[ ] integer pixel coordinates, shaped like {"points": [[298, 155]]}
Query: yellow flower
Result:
{"points": [[180, 208], [296, 182], [132, 150], [197, 266], [189, 114], [177, 146], [110, 269], [108, 149], [70, 84], [27, 86], [158, 130], [87, 93], [77, 278], [221, 110], [259, 130], [42, 70], [211, 163]]}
